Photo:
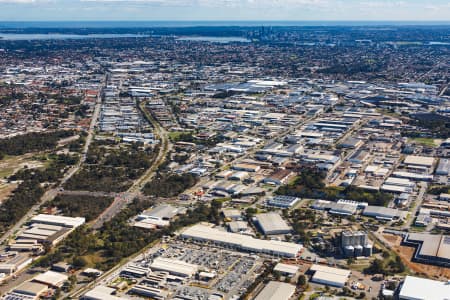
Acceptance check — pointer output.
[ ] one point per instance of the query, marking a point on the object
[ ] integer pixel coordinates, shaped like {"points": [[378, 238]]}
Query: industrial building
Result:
{"points": [[355, 244], [159, 216], [383, 213], [271, 224], [58, 220], [329, 276], [430, 249], [51, 278], [201, 232], [27, 291], [275, 290], [174, 267], [101, 293], [282, 201], [415, 288], [286, 270]]}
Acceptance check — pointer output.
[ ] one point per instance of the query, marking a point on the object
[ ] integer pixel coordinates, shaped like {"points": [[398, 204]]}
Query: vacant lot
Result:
{"points": [[406, 254]]}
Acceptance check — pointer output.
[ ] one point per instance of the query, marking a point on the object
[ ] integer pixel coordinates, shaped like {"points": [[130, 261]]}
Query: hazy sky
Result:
{"points": [[148, 10]]}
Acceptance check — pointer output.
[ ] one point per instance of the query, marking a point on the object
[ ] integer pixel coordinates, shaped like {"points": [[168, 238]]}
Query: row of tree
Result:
{"points": [[310, 184], [31, 142]]}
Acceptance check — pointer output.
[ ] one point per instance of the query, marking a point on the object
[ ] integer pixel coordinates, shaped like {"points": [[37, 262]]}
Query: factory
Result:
{"points": [[282, 201], [201, 232], [355, 244], [100, 293], [329, 276], [383, 213], [419, 163], [156, 217], [45, 229], [275, 290], [415, 288], [271, 224], [430, 249], [174, 267]]}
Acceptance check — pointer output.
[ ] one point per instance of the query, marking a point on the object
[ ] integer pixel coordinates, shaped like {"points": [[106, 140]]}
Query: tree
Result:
{"points": [[301, 281]]}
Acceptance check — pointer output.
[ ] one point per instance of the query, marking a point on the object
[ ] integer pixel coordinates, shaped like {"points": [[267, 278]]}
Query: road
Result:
{"points": [[418, 204], [51, 194], [123, 199]]}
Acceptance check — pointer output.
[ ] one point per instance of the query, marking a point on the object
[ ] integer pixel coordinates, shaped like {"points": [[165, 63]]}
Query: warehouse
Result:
{"points": [[271, 224], [101, 293], [443, 167], [329, 276], [28, 290], [286, 270], [201, 232], [383, 213], [174, 267], [149, 292], [50, 278], [430, 249], [275, 290], [415, 288], [58, 220], [282, 201], [421, 161]]}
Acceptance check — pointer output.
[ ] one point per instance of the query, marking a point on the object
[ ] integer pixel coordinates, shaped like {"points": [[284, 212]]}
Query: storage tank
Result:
{"points": [[368, 250], [358, 250], [349, 251]]}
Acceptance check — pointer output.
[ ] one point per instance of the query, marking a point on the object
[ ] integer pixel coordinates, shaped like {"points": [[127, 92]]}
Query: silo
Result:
{"points": [[368, 249], [358, 250], [349, 251]]}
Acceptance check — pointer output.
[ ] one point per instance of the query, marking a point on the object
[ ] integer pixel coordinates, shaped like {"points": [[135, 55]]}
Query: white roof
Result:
{"points": [[174, 266], [272, 222], [419, 160], [58, 220], [324, 274], [415, 288], [101, 293], [51, 278], [275, 290], [244, 242], [285, 268]]}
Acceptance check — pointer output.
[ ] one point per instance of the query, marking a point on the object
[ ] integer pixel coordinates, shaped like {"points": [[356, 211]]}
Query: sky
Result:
{"points": [[220, 10]]}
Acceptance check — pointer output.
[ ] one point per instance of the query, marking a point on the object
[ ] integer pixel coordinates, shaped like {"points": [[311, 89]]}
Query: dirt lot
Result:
{"points": [[406, 254]]}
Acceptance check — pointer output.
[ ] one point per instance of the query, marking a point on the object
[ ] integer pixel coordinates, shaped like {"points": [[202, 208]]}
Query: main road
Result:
{"points": [[134, 191], [51, 193]]}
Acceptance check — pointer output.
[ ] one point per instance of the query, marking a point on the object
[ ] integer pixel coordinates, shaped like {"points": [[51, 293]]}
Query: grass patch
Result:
{"points": [[423, 141]]}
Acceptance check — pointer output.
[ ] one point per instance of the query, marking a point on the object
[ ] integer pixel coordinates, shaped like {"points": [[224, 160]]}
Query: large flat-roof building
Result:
{"points": [[58, 220], [275, 290], [202, 232], [271, 224], [431, 249], [174, 267], [329, 276], [415, 288]]}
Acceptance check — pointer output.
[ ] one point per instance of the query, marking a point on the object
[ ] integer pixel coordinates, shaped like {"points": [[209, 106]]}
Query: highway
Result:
{"points": [[123, 199]]}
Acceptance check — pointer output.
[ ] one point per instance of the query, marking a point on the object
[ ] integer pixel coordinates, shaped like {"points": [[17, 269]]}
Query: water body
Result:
{"points": [[53, 36], [212, 39]]}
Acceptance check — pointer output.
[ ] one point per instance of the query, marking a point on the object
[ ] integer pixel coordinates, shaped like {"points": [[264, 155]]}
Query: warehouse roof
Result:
{"points": [[419, 288], [330, 275], [244, 242], [58, 220], [272, 222], [432, 245], [285, 268], [51, 278], [161, 212], [101, 293], [275, 290], [31, 288], [174, 266], [419, 160]]}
